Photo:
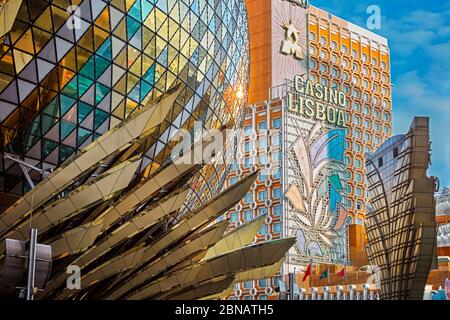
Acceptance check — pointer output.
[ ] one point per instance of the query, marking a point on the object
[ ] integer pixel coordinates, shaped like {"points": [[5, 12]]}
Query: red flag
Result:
{"points": [[341, 273], [307, 273]]}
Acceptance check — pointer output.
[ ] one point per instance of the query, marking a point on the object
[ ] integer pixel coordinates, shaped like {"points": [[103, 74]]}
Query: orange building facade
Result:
{"points": [[336, 54]]}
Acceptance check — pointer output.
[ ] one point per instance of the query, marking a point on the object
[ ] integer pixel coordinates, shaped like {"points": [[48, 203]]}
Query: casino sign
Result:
{"points": [[316, 101]]}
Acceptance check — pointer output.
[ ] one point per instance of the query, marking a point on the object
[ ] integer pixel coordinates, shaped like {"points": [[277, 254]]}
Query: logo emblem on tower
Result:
{"points": [[290, 44]]}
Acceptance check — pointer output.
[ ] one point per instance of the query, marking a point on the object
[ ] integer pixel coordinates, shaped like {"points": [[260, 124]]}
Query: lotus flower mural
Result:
{"points": [[316, 194]]}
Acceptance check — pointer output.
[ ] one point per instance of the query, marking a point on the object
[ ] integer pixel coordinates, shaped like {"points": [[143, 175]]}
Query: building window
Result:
{"points": [[233, 217], [248, 215], [247, 163], [262, 176], [248, 130], [276, 140], [312, 36], [364, 57], [323, 67], [380, 162], [335, 72], [344, 49], [277, 227], [262, 195], [248, 198], [262, 143], [262, 159], [276, 156], [233, 181], [263, 230], [277, 210], [276, 123], [262, 125], [262, 283], [344, 76], [358, 191], [277, 173], [358, 163], [248, 284], [262, 211], [323, 40], [358, 177], [247, 146], [313, 63], [277, 193], [395, 152], [358, 205]]}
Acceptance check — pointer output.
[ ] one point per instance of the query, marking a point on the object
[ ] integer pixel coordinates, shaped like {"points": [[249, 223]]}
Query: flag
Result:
{"points": [[324, 275], [307, 273], [341, 273]]}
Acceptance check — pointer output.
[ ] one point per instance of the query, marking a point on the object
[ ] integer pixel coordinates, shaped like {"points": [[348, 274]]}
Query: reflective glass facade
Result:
{"points": [[71, 70]]}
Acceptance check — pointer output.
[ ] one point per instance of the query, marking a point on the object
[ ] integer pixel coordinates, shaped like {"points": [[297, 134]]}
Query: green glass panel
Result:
{"points": [[71, 88], [100, 92], [53, 108], [88, 68], [47, 123], [145, 89], [83, 111], [105, 49], [336, 182], [66, 103], [134, 94], [83, 134], [66, 128], [84, 84], [135, 10], [132, 26], [100, 66], [47, 147], [100, 117], [35, 128], [65, 152], [150, 75]]}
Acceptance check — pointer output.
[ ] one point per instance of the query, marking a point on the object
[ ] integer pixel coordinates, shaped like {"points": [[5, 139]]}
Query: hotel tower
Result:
{"points": [[319, 98]]}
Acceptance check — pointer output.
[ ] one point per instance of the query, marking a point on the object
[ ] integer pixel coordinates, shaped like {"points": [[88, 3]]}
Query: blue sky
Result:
{"points": [[419, 38]]}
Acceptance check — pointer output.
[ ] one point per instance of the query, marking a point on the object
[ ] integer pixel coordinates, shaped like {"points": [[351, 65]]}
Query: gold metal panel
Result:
{"points": [[200, 243], [76, 201], [8, 13], [111, 141], [75, 240], [237, 238], [240, 260], [259, 273]]}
